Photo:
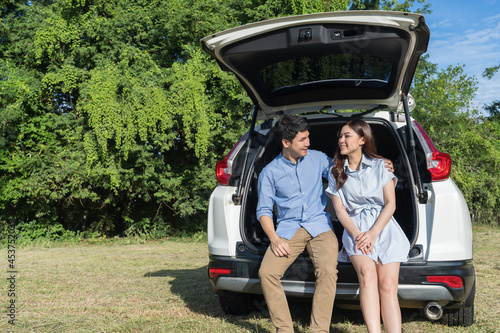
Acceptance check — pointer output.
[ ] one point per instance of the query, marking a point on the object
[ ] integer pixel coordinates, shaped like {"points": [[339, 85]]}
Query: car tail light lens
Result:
{"points": [[215, 272], [223, 169], [438, 164], [452, 281]]}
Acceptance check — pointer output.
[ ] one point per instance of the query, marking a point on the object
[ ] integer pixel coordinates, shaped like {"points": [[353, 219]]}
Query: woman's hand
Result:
{"points": [[364, 242]]}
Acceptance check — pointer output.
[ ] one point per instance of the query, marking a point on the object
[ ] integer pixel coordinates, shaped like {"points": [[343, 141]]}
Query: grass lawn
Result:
{"points": [[163, 287]]}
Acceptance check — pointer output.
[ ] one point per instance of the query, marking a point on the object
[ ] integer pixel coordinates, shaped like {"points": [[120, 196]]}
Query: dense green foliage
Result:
{"points": [[444, 109], [112, 118]]}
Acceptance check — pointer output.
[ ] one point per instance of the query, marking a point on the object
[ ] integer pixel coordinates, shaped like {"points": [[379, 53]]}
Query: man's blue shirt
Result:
{"points": [[298, 192]]}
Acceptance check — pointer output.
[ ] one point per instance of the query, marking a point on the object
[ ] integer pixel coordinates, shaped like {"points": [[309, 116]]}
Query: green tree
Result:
{"points": [[395, 5], [494, 110], [491, 71], [444, 108], [112, 118], [111, 122]]}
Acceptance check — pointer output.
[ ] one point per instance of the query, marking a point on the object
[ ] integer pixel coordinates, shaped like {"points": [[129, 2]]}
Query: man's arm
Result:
{"points": [[388, 164], [264, 212], [279, 247]]}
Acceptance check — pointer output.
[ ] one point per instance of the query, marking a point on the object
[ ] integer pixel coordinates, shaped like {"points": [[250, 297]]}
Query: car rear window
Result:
{"points": [[358, 69]]}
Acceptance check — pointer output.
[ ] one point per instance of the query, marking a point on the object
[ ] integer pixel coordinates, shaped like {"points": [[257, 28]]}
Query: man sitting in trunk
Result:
{"points": [[293, 181]]}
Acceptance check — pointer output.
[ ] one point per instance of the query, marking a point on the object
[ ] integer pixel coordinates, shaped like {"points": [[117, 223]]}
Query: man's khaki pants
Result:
{"points": [[323, 250]]}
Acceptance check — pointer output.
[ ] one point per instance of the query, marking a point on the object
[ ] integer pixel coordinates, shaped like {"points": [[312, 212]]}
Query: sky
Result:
{"points": [[465, 32]]}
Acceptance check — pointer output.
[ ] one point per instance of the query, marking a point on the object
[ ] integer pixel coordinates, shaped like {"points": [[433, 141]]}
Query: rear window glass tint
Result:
{"points": [[333, 67]]}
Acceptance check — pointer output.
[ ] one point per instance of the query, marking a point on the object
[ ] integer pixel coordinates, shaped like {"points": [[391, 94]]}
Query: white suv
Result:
{"points": [[320, 66]]}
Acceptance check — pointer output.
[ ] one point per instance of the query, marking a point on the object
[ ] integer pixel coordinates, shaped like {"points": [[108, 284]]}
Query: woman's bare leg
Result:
{"points": [[369, 291], [388, 279]]}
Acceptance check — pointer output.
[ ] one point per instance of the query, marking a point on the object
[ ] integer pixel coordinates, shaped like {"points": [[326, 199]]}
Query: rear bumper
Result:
{"points": [[414, 290], [345, 291]]}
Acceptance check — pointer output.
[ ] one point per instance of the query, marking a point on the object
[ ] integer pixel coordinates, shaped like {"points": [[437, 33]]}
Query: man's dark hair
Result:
{"points": [[288, 127]]}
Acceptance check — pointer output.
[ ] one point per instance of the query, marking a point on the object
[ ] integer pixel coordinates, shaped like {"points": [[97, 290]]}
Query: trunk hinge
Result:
{"points": [[422, 194], [237, 196]]}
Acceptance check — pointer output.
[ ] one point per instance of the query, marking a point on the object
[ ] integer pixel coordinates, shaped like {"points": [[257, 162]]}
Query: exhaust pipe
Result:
{"points": [[433, 311]]}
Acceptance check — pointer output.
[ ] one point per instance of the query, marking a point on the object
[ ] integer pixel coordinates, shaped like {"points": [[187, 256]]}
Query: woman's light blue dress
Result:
{"points": [[363, 198]]}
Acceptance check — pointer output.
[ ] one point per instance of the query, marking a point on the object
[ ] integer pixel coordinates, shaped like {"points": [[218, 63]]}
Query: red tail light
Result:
{"points": [[215, 272], [222, 172], [442, 166], [438, 164], [223, 169], [452, 281]]}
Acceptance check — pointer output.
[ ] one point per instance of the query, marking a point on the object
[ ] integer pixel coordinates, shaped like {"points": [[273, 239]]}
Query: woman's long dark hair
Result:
{"points": [[369, 149]]}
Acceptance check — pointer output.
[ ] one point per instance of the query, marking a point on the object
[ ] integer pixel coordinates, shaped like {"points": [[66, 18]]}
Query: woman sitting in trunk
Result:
{"points": [[363, 194]]}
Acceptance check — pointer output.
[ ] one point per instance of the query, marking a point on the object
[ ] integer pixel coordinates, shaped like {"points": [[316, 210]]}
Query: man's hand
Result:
{"points": [[388, 164], [280, 248]]}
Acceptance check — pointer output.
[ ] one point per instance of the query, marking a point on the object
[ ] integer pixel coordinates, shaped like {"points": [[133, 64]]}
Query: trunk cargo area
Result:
{"points": [[323, 137]]}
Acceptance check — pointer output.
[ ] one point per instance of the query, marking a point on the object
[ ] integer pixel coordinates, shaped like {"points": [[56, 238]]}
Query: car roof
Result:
{"points": [[352, 60]]}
